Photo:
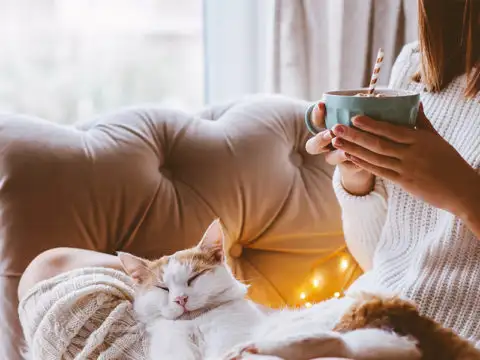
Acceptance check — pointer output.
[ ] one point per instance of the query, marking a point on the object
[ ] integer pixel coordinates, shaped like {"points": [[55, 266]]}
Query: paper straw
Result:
{"points": [[376, 72]]}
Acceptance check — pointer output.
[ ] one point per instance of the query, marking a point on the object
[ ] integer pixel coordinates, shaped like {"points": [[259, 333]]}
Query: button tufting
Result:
{"points": [[166, 172], [236, 250], [296, 159]]}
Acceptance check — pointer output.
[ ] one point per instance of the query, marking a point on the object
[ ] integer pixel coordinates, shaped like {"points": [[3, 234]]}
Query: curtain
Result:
{"points": [[320, 45]]}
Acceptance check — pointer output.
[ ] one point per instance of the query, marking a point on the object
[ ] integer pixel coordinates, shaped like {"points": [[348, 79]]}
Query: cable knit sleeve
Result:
{"points": [[363, 219]]}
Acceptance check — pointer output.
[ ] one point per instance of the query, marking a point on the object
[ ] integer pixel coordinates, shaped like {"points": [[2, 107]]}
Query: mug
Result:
{"points": [[398, 107]]}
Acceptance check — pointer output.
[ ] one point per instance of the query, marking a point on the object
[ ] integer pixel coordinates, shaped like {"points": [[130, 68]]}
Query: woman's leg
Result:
{"points": [[59, 260], [67, 292]]}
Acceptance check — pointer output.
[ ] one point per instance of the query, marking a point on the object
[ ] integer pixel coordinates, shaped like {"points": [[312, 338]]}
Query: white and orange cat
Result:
{"points": [[194, 309]]}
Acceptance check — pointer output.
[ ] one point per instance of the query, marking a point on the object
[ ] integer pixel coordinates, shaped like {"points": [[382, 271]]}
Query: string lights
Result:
{"points": [[329, 278], [344, 264]]}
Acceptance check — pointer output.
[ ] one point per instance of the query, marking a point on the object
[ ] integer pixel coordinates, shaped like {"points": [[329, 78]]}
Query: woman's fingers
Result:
{"points": [[375, 170], [318, 115], [335, 157], [366, 155], [339, 157], [318, 144], [369, 141], [397, 133]]}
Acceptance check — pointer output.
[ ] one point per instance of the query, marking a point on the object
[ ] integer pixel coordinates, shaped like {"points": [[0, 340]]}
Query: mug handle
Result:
{"points": [[308, 122]]}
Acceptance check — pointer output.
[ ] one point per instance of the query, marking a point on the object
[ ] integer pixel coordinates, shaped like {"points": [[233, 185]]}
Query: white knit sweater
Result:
{"points": [[419, 251]]}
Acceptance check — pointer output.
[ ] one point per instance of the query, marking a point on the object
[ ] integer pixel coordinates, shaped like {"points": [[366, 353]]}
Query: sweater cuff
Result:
{"points": [[374, 203]]}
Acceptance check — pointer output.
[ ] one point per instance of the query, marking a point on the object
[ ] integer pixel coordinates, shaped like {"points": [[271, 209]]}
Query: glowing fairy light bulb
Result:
{"points": [[337, 294], [303, 296], [317, 279], [308, 305], [344, 264]]}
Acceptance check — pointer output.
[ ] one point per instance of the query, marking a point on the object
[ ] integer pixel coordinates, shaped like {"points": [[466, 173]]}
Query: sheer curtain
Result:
{"points": [[330, 44]]}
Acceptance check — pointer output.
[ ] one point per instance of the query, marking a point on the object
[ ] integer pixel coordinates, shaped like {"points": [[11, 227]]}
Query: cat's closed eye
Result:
{"points": [[164, 288], [196, 276]]}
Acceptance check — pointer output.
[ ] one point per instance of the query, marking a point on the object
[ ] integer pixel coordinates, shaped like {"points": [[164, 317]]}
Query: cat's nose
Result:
{"points": [[181, 300]]}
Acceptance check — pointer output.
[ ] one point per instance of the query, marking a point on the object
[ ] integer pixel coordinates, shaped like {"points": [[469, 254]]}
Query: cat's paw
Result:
{"points": [[240, 352], [297, 347]]}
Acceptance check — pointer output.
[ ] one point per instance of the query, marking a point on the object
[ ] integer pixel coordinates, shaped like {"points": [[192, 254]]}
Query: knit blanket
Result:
{"points": [[82, 314]]}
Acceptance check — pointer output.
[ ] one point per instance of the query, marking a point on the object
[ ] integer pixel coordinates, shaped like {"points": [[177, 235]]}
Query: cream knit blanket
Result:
{"points": [[82, 314]]}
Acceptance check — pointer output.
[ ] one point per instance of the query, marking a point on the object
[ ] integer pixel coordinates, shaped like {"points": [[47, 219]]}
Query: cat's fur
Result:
{"points": [[218, 322], [434, 341]]}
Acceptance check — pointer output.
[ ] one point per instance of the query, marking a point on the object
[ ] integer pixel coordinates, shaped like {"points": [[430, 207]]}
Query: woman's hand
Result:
{"points": [[354, 179], [419, 160]]}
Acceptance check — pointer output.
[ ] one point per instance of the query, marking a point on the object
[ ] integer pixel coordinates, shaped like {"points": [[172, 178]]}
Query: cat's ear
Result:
{"points": [[213, 241], [135, 267]]}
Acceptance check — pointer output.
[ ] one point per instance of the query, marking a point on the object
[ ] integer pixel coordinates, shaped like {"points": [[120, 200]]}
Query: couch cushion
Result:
{"points": [[149, 181]]}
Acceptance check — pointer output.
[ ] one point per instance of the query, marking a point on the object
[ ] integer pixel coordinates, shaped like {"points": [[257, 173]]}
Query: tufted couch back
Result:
{"points": [[149, 181]]}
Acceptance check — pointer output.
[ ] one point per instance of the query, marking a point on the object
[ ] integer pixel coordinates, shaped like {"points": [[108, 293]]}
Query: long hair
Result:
{"points": [[449, 36]]}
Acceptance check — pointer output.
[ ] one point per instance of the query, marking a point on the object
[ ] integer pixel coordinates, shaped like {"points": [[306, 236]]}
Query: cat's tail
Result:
{"points": [[402, 317]]}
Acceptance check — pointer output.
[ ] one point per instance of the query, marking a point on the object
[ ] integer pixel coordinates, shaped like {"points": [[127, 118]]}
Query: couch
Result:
{"points": [[149, 181]]}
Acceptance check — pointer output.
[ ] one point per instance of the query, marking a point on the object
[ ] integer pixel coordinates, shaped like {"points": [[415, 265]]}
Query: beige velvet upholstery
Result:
{"points": [[149, 181]]}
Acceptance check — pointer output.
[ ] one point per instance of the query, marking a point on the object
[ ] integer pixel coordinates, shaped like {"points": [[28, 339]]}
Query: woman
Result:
{"points": [[410, 198]]}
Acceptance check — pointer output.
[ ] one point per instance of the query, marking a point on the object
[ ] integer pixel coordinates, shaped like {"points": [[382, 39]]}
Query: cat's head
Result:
{"points": [[188, 281]]}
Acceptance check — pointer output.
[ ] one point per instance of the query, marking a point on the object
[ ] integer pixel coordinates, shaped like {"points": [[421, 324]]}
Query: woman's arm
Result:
{"points": [[473, 222], [363, 219], [362, 197], [56, 261], [468, 208]]}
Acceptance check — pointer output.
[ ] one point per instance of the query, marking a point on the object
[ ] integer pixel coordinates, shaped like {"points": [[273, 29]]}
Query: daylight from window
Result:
{"points": [[69, 60]]}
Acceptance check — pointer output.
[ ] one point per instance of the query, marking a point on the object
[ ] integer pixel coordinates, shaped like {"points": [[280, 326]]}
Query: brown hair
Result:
{"points": [[449, 34]]}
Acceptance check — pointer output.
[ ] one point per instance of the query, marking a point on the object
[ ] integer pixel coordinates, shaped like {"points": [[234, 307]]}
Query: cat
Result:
{"points": [[194, 308], [190, 302]]}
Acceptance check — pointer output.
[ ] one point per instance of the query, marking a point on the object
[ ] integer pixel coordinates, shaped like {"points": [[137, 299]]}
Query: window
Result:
{"points": [[68, 60], [238, 35]]}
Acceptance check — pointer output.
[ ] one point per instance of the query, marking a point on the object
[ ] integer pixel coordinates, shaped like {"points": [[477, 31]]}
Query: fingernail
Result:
{"points": [[357, 120], [338, 142], [310, 146], [339, 129]]}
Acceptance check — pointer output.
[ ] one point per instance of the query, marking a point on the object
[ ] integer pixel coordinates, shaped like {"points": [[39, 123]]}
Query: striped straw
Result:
{"points": [[376, 72]]}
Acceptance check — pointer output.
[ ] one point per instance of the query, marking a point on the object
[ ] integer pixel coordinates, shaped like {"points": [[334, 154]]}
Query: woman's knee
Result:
{"points": [[46, 265], [59, 260]]}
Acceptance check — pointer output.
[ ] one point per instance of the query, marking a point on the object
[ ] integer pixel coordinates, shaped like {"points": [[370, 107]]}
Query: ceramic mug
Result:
{"points": [[394, 106]]}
